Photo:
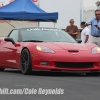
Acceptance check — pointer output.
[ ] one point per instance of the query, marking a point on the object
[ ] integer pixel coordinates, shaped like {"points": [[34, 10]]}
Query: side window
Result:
{"points": [[14, 35]]}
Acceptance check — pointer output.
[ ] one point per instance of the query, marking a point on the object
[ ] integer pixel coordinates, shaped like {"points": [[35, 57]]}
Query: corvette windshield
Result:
{"points": [[45, 35]]}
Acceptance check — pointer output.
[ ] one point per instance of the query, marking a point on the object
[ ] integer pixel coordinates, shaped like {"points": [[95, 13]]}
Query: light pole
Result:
{"points": [[81, 10]]}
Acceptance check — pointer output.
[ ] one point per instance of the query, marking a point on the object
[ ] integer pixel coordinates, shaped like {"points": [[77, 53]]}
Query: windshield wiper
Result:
{"points": [[33, 41]]}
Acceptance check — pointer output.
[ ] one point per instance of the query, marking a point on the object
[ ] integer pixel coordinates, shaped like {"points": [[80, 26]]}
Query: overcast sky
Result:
{"points": [[3, 0], [87, 3]]}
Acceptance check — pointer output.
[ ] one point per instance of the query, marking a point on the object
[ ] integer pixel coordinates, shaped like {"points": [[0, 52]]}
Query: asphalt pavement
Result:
{"points": [[74, 86]]}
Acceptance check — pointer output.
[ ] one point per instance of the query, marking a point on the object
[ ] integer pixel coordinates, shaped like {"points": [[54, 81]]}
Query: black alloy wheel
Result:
{"points": [[26, 66]]}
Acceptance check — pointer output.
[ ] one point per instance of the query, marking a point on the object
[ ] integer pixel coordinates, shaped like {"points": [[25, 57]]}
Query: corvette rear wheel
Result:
{"points": [[26, 67], [2, 69]]}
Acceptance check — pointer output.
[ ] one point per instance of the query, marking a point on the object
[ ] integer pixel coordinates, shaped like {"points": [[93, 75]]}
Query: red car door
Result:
{"points": [[1, 53], [9, 51]]}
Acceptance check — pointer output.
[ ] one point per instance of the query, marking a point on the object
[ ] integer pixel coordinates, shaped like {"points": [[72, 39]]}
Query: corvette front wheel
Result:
{"points": [[26, 67]]}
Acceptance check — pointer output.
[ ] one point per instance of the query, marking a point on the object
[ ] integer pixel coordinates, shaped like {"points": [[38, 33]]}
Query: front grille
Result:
{"points": [[74, 65]]}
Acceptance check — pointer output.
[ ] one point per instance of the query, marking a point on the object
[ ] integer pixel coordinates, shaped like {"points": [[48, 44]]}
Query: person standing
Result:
{"points": [[72, 29], [85, 33], [95, 28]]}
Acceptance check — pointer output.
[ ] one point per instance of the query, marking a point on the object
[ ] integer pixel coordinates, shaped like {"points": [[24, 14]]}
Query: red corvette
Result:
{"points": [[30, 48]]}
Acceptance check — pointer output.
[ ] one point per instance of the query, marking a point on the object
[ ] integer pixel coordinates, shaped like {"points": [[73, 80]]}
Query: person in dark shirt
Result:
{"points": [[72, 29]]}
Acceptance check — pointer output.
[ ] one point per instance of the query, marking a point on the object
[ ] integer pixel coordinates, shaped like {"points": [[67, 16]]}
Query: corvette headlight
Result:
{"points": [[44, 49], [95, 50]]}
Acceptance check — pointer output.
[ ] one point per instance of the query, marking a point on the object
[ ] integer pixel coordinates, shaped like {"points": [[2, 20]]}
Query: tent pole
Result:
{"points": [[38, 24], [54, 24], [38, 6]]}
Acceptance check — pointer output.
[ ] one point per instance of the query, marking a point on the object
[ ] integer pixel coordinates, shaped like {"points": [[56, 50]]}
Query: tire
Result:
{"points": [[2, 69], [26, 65]]}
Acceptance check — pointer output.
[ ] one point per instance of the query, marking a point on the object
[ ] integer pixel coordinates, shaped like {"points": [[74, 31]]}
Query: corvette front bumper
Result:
{"points": [[66, 62]]}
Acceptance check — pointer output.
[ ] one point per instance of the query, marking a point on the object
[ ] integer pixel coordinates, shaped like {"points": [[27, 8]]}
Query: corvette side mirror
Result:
{"points": [[78, 40], [8, 39]]}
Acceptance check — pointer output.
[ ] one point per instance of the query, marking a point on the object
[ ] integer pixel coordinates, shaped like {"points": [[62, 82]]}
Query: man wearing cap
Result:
{"points": [[85, 33]]}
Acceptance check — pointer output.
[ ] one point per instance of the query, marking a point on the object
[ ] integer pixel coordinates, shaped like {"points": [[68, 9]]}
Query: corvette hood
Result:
{"points": [[66, 46]]}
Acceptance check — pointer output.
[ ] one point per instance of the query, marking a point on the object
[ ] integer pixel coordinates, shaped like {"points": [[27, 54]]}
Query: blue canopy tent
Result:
{"points": [[26, 10]]}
